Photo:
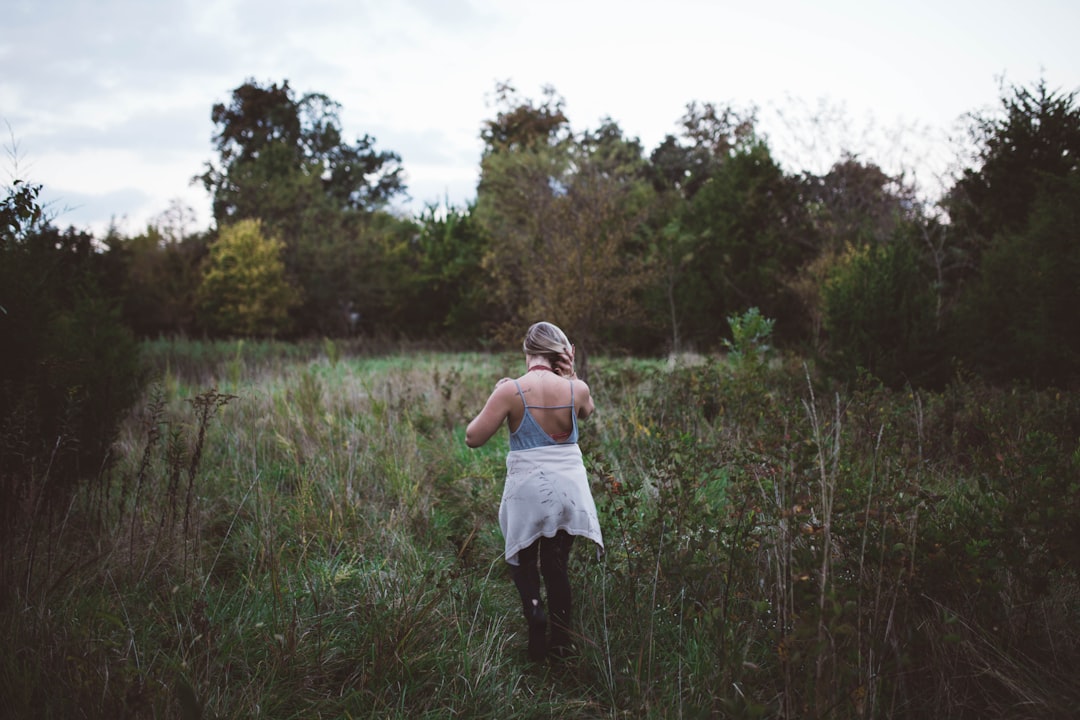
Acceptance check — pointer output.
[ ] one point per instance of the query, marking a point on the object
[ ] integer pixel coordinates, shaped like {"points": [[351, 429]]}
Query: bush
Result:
{"points": [[880, 317], [68, 374], [1017, 319]]}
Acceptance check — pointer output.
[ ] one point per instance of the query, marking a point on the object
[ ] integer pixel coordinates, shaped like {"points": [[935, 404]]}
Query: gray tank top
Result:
{"points": [[529, 433]]}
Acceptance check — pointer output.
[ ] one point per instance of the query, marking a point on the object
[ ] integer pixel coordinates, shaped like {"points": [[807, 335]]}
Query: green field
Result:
{"points": [[300, 532]]}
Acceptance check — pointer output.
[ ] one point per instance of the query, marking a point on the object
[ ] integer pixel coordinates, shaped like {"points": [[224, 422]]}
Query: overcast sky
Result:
{"points": [[107, 102]]}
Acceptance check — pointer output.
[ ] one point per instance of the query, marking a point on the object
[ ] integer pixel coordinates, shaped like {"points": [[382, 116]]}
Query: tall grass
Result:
{"points": [[307, 536]]}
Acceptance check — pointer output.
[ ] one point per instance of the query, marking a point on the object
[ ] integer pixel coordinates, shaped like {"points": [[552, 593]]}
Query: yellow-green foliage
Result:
{"points": [[244, 290]]}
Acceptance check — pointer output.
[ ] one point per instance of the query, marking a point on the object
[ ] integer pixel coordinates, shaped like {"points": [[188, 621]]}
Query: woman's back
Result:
{"points": [[550, 399]]}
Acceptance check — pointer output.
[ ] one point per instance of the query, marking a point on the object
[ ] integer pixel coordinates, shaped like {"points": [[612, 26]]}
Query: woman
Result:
{"points": [[546, 500]]}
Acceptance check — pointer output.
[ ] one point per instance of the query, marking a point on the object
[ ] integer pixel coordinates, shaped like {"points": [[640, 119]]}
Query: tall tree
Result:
{"points": [[710, 135], [1014, 221], [267, 136], [749, 234], [521, 125], [1032, 138], [678, 168], [284, 160], [1016, 319], [563, 213]]}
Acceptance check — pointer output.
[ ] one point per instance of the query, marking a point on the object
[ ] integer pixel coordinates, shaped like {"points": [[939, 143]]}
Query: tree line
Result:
{"points": [[639, 251], [631, 250]]}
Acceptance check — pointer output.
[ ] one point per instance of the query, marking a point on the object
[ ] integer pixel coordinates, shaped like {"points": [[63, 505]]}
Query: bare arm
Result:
{"points": [[583, 399], [495, 412]]}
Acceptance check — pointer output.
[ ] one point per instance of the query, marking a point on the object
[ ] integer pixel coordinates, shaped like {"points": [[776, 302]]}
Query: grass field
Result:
{"points": [[300, 532]]}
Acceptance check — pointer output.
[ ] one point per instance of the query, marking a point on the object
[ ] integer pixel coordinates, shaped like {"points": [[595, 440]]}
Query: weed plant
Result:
{"points": [[308, 536]]}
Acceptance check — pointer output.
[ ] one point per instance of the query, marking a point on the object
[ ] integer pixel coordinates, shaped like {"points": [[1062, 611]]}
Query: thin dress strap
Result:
{"points": [[530, 434]]}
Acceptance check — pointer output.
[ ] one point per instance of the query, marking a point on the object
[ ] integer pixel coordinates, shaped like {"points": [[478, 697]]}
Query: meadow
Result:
{"points": [[299, 531]]}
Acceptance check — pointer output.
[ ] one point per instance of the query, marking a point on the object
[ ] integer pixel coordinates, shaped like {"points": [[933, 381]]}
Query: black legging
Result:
{"points": [[554, 555]]}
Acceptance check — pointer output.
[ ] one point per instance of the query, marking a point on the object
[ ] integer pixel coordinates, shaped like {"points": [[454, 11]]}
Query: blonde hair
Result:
{"points": [[545, 340]]}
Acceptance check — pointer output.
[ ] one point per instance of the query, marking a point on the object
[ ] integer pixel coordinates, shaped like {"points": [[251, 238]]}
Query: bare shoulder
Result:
{"points": [[583, 398], [505, 389]]}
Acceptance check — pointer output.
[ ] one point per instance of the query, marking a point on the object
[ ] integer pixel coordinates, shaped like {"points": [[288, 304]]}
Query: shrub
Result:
{"points": [[244, 290], [880, 316], [68, 374]]}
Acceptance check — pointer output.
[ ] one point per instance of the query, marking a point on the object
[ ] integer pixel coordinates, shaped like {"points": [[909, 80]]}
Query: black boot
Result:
{"points": [[538, 623], [527, 578], [560, 648], [554, 559]]}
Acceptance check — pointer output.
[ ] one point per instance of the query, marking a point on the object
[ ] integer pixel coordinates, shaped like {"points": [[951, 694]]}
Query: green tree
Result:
{"points": [[710, 135], [447, 288], [522, 125], [1013, 223], [381, 276], [268, 139], [157, 274], [1032, 138], [1017, 317], [564, 215], [855, 204], [283, 159], [750, 233], [244, 290], [678, 168]]}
